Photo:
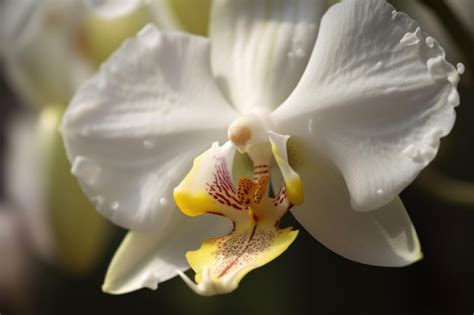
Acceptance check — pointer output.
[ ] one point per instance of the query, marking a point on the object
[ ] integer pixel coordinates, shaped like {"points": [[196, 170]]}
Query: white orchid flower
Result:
{"points": [[355, 115]]}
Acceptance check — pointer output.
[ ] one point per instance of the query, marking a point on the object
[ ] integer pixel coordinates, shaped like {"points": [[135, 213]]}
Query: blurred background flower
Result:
{"points": [[54, 247], [48, 48]]}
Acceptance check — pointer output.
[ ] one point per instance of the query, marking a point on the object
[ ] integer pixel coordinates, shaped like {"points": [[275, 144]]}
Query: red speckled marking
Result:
{"points": [[239, 249], [249, 238], [221, 188]]}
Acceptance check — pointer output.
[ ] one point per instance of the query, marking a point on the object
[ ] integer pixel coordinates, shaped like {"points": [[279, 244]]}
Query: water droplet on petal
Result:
{"points": [[148, 144], [114, 205], [460, 68], [87, 170], [297, 52], [410, 38], [429, 41], [163, 201], [380, 192]]}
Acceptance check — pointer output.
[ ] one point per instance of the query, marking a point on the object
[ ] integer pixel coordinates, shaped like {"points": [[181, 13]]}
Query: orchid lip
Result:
{"points": [[256, 239]]}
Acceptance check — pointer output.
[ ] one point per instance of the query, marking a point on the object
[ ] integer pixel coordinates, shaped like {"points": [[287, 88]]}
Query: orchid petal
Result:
{"points": [[376, 98], [112, 8], [146, 259], [256, 239], [383, 237], [132, 130], [220, 264], [192, 194], [260, 48]]}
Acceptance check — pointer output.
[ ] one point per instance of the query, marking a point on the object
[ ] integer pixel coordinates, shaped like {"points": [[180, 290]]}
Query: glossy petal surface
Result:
{"points": [[260, 48], [376, 97], [129, 131], [146, 259], [383, 237], [112, 8]]}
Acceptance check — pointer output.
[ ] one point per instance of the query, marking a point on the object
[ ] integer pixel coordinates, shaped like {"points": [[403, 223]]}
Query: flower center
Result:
{"points": [[256, 239], [249, 130]]}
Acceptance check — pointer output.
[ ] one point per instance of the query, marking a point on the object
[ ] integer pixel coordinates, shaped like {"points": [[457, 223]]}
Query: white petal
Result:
{"points": [[376, 98], [132, 131], [430, 23], [112, 8], [260, 48], [146, 259], [383, 237]]}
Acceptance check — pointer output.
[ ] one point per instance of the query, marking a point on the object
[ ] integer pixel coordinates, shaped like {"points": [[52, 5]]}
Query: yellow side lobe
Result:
{"points": [[190, 197], [293, 182]]}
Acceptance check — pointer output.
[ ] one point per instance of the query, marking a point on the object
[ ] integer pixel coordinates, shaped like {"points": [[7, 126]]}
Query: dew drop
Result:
{"points": [[380, 192], [87, 170], [297, 53], [114, 205], [163, 201], [429, 41], [460, 68], [378, 65], [148, 144], [410, 38]]}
